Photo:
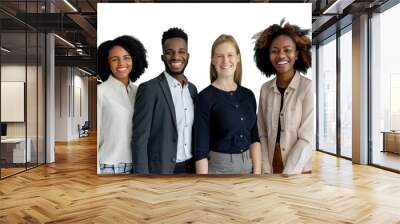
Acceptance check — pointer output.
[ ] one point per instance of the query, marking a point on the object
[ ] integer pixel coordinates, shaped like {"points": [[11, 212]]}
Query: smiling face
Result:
{"points": [[175, 56], [283, 54], [120, 62], [225, 59]]}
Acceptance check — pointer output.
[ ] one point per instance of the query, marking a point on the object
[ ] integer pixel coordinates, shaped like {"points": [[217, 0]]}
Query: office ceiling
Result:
{"points": [[76, 22]]}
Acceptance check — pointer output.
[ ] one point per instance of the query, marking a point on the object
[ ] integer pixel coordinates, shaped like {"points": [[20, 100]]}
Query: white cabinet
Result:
{"points": [[18, 149]]}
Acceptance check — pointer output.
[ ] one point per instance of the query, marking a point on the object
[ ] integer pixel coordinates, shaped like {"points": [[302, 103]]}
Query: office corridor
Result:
{"points": [[69, 191]]}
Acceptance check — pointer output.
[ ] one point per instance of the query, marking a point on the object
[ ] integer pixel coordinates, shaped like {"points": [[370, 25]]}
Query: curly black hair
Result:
{"points": [[172, 33], [133, 46], [265, 38]]}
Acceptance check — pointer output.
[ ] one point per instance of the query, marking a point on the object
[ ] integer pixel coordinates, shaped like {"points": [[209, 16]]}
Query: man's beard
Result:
{"points": [[174, 73]]}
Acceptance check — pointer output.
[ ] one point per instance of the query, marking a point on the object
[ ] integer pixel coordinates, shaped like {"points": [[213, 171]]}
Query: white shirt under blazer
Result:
{"points": [[115, 106], [297, 124], [184, 112]]}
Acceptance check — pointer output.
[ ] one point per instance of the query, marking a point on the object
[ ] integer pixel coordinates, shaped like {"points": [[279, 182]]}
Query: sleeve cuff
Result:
{"points": [[201, 154]]}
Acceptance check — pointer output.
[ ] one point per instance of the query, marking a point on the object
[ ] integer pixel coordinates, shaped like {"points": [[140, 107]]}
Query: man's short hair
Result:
{"points": [[173, 33]]}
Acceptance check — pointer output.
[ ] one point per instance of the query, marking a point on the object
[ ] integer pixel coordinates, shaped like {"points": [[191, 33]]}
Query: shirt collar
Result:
{"points": [[173, 82], [294, 84], [118, 83]]}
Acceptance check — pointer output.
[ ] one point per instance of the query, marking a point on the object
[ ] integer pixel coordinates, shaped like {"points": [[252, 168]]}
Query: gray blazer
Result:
{"points": [[154, 134]]}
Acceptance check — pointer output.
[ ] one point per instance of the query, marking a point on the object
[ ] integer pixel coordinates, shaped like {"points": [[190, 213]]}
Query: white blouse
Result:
{"points": [[115, 106]]}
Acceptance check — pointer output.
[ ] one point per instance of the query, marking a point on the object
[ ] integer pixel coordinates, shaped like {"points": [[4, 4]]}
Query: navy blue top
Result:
{"points": [[278, 136], [224, 121]]}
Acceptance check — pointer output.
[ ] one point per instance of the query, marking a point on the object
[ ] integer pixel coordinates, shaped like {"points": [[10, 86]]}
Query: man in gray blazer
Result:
{"points": [[163, 114]]}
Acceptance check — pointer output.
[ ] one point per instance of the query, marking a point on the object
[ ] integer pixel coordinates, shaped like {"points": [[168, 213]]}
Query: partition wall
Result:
{"points": [[22, 76]]}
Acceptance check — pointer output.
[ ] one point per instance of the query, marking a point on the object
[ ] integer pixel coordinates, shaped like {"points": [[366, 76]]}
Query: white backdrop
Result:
{"points": [[203, 22]]}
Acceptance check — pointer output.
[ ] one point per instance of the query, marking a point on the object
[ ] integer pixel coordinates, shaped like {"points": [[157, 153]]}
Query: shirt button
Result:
{"points": [[282, 130], [231, 94], [241, 118], [281, 114], [241, 136], [237, 106], [173, 160], [185, 108], [283, 149], [241, 150]]}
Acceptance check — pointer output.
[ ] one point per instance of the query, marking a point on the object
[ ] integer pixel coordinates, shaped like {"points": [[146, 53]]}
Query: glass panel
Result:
{"points": [[22, 76], [13, 87], [346, 94], [41, 98], [10, 24], [385, 86], [31, 97], [327, 96], [314, 75]]}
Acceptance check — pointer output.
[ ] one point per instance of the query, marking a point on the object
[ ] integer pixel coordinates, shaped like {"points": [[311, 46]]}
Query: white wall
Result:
{"points": [[203, 23], [17, 73], [61, 103], [71, 93], [82, 83]]}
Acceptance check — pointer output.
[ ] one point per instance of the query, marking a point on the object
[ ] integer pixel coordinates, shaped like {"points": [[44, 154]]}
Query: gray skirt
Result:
{"points": [[226, 163]]}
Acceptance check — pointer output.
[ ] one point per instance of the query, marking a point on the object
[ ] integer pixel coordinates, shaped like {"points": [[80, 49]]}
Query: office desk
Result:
{"points": [[13, 150], [391, 141]]}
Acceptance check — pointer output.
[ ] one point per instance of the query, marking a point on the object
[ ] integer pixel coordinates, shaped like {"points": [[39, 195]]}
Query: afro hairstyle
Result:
{"points": [[133, 46], [263, 43]]}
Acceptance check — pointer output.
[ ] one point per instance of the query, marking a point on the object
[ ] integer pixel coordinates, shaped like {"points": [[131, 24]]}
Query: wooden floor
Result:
{"points": [[69, 191], [10, 171], [386, 159]]}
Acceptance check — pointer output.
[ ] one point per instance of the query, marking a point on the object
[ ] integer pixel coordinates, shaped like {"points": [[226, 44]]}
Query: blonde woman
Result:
{"points": [[226, 139]]}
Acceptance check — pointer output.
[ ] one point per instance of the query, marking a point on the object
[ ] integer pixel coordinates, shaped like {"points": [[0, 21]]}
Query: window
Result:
{"points": [[327, 96], [385, 88], [346, 75]]}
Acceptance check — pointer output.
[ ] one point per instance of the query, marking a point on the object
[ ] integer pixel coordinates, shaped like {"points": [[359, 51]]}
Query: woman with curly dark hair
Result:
{"points": [[120, 63], [286, 107]]}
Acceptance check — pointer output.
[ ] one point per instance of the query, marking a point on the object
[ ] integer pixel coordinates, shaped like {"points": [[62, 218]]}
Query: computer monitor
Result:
{"points": [[3, 129]]}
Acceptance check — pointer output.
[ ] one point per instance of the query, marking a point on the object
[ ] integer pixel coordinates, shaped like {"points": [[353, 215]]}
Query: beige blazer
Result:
{"points": [[297, 124]]}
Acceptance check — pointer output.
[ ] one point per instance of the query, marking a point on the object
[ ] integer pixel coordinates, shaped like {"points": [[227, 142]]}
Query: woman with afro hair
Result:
{"points": [[120, 63], [286, 107]]}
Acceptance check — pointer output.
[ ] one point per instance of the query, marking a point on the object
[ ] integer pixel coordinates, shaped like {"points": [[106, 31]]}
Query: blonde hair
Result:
{"points": [[224, 38]]}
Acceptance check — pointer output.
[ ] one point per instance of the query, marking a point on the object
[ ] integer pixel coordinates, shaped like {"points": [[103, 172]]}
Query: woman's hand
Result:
{"points": [[255, 153], [202, 166]]}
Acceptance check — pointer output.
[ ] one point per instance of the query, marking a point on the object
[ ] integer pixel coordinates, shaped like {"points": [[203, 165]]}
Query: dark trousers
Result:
{"points": [[185, 167]]}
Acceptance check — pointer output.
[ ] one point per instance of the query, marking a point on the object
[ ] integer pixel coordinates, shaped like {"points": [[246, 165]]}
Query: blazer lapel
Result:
{"points": [[167, 94], [192, 91]]}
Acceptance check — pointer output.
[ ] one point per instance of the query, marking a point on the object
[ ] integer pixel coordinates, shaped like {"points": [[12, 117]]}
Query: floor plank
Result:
{"points": [[69, 191]]}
